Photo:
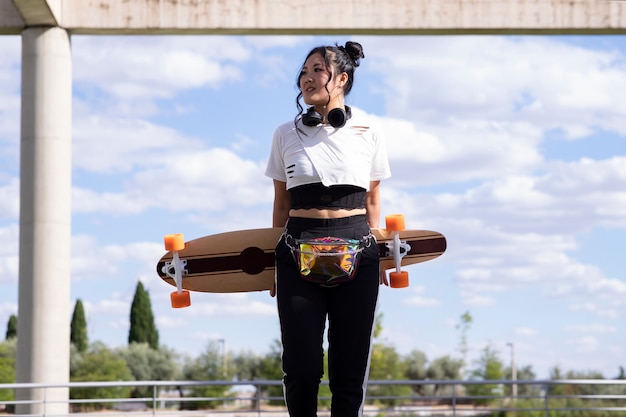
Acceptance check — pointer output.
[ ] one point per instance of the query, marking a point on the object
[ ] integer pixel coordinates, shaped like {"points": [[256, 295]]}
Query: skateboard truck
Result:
{"points": [[175, 270], [395, 224]]}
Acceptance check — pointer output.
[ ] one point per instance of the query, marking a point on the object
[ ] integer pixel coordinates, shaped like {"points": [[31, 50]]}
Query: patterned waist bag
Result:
{"points": [[327, 260]]}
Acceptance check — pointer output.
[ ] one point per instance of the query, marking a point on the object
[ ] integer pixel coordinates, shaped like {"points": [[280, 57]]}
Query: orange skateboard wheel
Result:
{"points": [[394, 222], [174, 242], [399, 279], [180, 299]]}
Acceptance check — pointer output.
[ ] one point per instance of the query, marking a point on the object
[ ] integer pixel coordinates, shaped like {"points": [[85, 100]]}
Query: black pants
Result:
{"points": [[303, 308]]}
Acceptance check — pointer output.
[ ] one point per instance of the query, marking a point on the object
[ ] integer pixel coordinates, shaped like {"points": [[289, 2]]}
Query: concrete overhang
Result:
{"points": [[388, 17], [11, 21]]}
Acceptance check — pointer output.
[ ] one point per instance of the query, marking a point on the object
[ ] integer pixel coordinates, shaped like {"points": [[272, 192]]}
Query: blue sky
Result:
{"points": [[513, 147]]}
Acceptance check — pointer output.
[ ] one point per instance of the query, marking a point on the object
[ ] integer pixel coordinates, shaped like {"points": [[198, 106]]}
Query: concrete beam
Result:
{"points": [[11, 22], [321, 16], [347, 16], [38, 12]]}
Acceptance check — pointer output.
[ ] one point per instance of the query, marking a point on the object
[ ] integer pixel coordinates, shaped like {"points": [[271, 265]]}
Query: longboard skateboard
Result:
{"points": [[243, 261]]}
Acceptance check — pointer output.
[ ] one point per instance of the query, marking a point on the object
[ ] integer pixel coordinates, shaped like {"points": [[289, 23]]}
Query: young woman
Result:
{"points": [[327, 165]]}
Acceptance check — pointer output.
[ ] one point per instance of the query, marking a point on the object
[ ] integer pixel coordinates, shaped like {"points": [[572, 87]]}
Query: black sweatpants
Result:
{"points": [[303, 307]]}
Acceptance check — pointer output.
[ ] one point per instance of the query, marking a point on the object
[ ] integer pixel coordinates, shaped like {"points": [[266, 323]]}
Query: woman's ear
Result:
{"points": [[343, 79]]}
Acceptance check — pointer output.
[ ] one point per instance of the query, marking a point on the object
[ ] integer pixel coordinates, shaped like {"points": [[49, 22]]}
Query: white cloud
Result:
{"points": [[206, 337], [90, 201], [599, 309], [539, 80], [10, 48], [165, 170], [525, 331], [584, 344], [156, 67], [569, 198], [111, 307], [212, 179], [472, 299], [208, 305], [6, 309], [112, 145], [9, 123], [239, 308], [91, 260], [169, 322], [10, 82], [418, 300], [9, 259], [265, 43], [9, 198], [597, 328], [459, 151]]}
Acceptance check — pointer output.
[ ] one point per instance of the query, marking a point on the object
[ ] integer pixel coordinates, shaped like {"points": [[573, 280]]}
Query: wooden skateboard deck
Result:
{"points": [[243, 261]]}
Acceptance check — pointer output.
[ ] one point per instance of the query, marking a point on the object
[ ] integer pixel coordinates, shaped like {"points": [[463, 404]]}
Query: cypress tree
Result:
{"points": [[11, 327], [142, 327], [78, 331]]}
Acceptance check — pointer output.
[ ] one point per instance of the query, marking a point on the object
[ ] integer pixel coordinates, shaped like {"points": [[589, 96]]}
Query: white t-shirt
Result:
{"points": [[352, 155]]}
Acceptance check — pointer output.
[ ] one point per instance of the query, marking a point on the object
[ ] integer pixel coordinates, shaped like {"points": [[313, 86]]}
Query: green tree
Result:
{"points": [[555, 375], [100, 364], [76, 358], [7, 367], [272, 369], [524, 373], [78, 328], [564, 395], [466, 321], [250, 366], [11, 327], [584, 389], [147, 364], [415, 368], [386, 364], [489, 366], [444, 368], [142, 327], [246, 366], [206, 367]]}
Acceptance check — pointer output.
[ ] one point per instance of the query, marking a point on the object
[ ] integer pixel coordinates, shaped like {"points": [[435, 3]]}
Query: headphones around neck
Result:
{"points": [[337, 117]]}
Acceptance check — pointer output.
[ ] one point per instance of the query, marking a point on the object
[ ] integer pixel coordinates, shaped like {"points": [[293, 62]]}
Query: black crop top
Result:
{"points": [[335, 197]]}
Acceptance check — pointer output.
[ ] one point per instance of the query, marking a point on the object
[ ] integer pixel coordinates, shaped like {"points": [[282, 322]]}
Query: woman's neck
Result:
{"points": [[325, 109]]}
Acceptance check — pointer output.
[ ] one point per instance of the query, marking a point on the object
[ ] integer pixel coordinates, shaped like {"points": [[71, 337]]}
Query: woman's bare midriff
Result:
{"points": [[325, 213]]}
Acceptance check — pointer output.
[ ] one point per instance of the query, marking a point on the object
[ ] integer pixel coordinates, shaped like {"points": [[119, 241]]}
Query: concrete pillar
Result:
{"points": [[43, 345]]}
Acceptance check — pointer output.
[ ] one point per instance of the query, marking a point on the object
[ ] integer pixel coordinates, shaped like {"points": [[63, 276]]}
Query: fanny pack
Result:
{"points": [[327, 260]]}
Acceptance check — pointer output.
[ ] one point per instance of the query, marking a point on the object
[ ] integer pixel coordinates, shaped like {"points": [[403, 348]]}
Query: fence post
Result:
{"points": [[454, 399], [258, 400], [154, 399]]}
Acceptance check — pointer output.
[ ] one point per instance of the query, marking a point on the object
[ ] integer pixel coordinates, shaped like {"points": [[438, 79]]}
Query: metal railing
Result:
{"points": [[541, 398]]}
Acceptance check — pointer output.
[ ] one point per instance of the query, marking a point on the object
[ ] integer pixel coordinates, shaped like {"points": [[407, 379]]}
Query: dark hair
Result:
{"points": [[343, 58]]}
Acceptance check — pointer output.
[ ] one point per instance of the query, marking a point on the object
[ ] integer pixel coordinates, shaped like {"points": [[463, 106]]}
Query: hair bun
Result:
{"points": [[355, 52]]}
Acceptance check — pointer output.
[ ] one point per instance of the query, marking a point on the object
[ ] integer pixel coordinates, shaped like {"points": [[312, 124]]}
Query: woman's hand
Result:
{"points": [[383, 278]]}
